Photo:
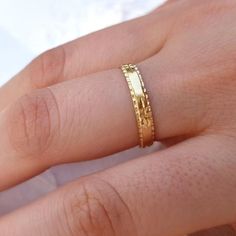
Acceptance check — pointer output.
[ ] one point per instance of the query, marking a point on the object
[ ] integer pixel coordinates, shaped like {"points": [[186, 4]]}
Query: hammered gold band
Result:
{"points": [[141, 104]]}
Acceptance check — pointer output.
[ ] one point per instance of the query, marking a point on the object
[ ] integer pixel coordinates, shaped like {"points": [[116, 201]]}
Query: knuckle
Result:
{"points": [[96, 209], [48, 68], [32, 123]]}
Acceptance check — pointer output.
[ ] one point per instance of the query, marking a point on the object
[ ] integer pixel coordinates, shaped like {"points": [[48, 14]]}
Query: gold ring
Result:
{"points": [[141, 104]]}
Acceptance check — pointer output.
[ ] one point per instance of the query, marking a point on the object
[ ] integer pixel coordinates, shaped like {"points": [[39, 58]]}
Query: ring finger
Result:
{"points": [[88, 118]]}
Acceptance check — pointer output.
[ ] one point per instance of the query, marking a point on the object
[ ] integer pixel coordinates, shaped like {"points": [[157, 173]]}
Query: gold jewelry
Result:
{"points": [[141, 105]]}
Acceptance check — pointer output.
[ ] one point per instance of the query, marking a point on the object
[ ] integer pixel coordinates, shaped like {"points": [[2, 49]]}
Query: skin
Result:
{"points": [[57, 110]]}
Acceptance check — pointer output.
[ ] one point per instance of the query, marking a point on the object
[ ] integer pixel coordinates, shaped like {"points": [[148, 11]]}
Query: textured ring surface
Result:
{"points": [[141, 104]]}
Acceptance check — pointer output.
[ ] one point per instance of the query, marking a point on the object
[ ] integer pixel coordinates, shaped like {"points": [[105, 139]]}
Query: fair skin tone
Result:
{"points": [[72, 104]]}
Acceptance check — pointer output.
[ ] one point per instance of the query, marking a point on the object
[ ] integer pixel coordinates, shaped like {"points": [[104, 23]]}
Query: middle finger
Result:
{"points": [[180, 190]]}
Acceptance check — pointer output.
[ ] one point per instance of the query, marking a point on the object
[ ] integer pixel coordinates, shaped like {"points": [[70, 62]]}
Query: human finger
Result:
{"points": [[132, 41], [67, 122], [178, 191]]}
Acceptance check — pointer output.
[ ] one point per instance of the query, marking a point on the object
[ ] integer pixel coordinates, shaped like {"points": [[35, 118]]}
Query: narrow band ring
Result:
{"points": [[141, 104]]}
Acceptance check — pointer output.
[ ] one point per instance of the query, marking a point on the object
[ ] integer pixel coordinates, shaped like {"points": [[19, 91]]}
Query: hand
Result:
{"points": [[78, 107]]}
